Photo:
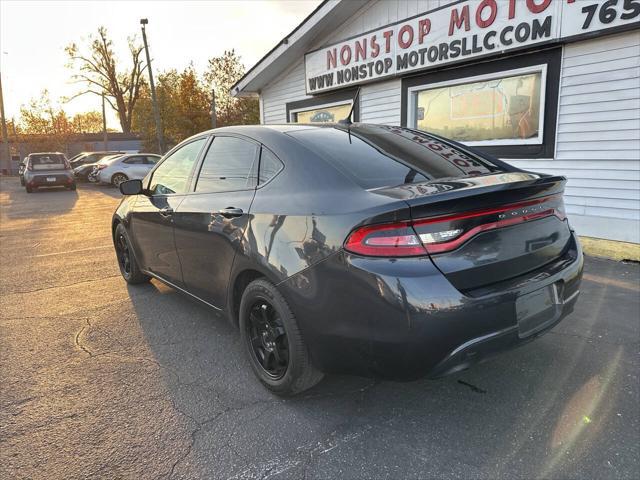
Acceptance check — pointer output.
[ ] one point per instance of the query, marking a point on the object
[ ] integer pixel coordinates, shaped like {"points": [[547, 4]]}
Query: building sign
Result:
{"points": [[463, 30]]}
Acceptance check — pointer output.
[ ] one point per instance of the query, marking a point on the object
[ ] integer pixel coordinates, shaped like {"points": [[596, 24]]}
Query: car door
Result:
{"points": [[151, 222], [134, 166], [210, 222]]}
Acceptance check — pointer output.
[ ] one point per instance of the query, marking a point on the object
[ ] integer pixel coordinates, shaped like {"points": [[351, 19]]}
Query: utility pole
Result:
{"points": [[214, 120], [104, 127], [154, 100], [5, 165]]}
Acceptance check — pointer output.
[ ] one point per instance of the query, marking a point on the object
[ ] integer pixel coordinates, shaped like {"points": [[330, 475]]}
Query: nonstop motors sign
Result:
{"points": [[457, 32]]}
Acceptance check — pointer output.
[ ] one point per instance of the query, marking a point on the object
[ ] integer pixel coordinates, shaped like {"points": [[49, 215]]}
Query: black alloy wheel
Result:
{"points": [[124, 256], [126, 259], [268, 339], [277, 352]]}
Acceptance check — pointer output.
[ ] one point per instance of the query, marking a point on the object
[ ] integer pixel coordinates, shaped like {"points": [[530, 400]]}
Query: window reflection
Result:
{"points": [[500, 109], [322, 114]]}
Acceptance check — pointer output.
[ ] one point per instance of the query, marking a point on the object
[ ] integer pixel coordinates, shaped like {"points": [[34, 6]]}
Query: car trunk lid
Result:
{"points": [[485, 229]]}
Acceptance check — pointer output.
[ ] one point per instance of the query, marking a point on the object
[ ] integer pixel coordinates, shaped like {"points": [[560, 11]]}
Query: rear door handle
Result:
{"points": [[166, 211], [230, 212]]}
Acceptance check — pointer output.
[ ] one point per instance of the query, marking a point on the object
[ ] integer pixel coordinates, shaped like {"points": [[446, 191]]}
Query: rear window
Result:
{"points": [[50, 161], [379, 156]]}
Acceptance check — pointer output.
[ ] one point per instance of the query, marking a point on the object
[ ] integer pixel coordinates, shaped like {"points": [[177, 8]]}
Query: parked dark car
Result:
{"points": [[21, 168], [83, 165], [47, 169], [361, 249]]}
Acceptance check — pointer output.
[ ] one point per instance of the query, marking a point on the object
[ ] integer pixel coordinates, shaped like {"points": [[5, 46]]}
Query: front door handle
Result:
{"points": [[230, 212], [166, 211]]}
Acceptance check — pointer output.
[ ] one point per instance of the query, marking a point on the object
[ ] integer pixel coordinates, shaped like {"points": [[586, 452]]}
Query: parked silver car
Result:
{"points": [[48, 169], [125, 167]]}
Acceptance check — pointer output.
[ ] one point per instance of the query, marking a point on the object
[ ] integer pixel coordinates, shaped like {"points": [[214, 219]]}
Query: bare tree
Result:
{"points": [[97, 70]]}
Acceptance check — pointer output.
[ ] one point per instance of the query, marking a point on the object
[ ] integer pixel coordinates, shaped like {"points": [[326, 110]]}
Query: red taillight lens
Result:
{"points": [[446, 233], [387, 240]]}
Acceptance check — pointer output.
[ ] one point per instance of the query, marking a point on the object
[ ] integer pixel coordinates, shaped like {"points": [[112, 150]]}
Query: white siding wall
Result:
{"points": [[598, 136], [598, 132], [290, 87]]}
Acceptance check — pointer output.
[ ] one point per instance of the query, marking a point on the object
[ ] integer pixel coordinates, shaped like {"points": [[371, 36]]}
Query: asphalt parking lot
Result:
{"points": [[101, 380]]}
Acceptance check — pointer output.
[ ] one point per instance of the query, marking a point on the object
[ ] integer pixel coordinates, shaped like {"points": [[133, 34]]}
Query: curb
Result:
{"points": [[597, 247]]}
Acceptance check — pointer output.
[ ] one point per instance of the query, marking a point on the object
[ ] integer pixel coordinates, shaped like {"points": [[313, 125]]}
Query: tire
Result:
{"points": [[127, 262], [29, 189], [118, 178], [299, 374], [73, 187]]}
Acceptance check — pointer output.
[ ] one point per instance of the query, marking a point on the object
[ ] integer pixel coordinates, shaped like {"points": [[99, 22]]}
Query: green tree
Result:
{"points": [[98, 70], [221, 74], [184, 108], [88, 122]]}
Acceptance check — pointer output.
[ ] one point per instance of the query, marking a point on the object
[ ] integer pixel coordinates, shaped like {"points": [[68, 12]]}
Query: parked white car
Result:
{"points": [[125, 167]]}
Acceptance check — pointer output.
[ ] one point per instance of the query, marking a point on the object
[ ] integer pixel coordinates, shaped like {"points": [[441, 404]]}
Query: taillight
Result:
{"points": [[386, 240], [100, 166], [445, 233]]}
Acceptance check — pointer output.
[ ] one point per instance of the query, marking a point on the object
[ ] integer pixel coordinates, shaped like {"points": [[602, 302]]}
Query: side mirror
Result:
{"points": [[131, 187]]}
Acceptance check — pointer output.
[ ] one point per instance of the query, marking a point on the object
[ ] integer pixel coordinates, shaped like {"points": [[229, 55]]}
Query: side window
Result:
{"points": [[172, 174], [228, 165], [134, 160], [269, 166], [151, 160]]}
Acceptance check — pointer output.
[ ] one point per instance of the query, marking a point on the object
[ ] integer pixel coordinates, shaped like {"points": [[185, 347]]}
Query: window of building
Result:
{"points": [[321, 113], [504, 108]]}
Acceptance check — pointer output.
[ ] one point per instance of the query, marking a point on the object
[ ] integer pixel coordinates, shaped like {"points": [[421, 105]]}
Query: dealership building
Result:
{"points": [[547, 85]]}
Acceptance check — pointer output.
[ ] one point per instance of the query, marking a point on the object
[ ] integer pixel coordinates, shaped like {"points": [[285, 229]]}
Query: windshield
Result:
{"points": [[378, 156]]}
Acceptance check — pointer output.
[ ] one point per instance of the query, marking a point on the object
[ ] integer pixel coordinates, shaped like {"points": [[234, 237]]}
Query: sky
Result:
{"points": [[33, 35]]}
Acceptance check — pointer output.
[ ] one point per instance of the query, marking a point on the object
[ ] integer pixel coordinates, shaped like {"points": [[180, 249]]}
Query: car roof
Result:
{"points": [[45, 153], [264, 133]]}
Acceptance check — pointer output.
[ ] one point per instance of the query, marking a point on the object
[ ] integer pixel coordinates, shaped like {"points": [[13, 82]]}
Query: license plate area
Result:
{"points": [[51, 179], [538, 309]]}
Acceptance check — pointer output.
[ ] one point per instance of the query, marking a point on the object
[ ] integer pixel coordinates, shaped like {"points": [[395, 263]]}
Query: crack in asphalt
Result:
{"points": [[77, 339], [26, 292], [472, 387]]}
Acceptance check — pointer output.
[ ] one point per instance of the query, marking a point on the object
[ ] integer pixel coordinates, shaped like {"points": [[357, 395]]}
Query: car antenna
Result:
{"points": [[347, 121]]}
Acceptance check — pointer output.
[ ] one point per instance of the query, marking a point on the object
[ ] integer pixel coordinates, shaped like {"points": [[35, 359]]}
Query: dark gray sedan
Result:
{"points": [[363, 249]]}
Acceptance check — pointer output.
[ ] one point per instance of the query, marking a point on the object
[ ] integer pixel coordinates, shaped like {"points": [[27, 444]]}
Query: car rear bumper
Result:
{"points": [[42, 180], [402, 319]]}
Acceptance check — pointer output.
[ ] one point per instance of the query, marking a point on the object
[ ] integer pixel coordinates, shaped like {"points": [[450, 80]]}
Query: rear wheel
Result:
{"points": [[118, 178], [277, 352], [126, 260]]}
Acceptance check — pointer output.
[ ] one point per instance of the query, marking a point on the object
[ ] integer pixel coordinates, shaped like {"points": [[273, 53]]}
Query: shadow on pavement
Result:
{"points": [[542, 410]]}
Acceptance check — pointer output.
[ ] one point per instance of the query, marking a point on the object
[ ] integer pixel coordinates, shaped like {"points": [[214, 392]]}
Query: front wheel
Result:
{"points": [[118, 178], [129, 267], [270, 333]]}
